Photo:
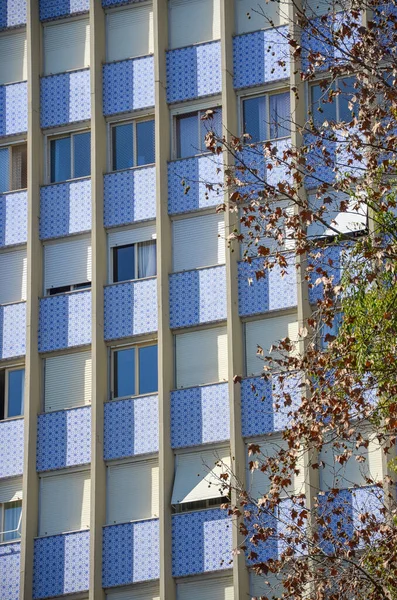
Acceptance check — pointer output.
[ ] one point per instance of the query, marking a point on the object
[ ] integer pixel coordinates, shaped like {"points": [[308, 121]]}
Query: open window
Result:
{"points": [[13, 168], [266, 116], [191, 129], [340, 214], [132, 254], [69, 156], [134, 370], [132, 144], [67, 266], [12, 390], [10, 509]]}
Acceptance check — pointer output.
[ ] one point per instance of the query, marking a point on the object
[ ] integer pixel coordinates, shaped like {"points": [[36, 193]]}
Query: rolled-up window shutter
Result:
{"points": [[203, 17], [11, 490], [144, 593], [67, 263], [249, 15], [13, 53], [67, 381], [64, 503], [129, 32], [66, 46], [201, 357], [13, 276], [197, 476], [198, 242], [132, 236], [213, 589]]}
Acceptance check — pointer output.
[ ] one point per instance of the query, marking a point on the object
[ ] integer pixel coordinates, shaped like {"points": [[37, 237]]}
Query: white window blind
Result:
{"points": [[143, 593], [259, 587], [209, 589], [129, 32], [64, 503], [13, 54], [197, 475], [202, 17], [13, 276], [264, 333], [198, 242], [132, 236], [201, 357], [67, 263], [132, 492], [66, 46], [67, 381], [11, 490], [259, 13]]}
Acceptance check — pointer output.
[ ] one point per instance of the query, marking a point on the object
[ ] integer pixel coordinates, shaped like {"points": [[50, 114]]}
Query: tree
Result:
{"points": [[327, 207]]}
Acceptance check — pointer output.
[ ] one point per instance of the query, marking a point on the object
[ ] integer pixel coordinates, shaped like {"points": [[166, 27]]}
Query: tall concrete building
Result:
{"points": [[123, 314]]}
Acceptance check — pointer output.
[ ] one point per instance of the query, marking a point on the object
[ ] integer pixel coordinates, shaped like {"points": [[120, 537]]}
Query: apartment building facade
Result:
{"points": [[123, 314]]}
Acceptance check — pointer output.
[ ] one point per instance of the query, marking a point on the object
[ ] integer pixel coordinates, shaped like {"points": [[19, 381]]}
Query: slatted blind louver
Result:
{"points": [[277, 12], [212, 589], [264, 333], [132, 236], [204, 17], [198, 242], [13, 276], [11, 490], [14, 68], [67, 263], [66, 46], [133, 492], [67, 381], [197, 475], [147, 594], [130, 32], [201, 357]]}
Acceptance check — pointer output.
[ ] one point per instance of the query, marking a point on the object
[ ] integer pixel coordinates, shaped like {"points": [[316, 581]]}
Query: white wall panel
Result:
{"points": [[67, 381], [129, 32], [67, 263], [197, 475], [201, 357], [11, 490], [13, 276], [64, 503], [198, 242], [202, 16], [210, 589], [13, 57], [259, 13], [132, 492], [66, 46]]}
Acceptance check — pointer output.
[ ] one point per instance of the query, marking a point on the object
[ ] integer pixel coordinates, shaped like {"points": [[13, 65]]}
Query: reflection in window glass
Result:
{"points": [[148, 369], [187, 135], [145, 142], [124, 373], [322, 109], [346, 86], [16, 383], [124, 263], [12, 516], [123, 147], [60, 159], [82, 154], [4, 170], [254, 118], [280, 115]]}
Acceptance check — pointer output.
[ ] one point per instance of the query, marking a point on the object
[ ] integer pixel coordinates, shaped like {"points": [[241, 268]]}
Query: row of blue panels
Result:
{"points": [[199, 415]]}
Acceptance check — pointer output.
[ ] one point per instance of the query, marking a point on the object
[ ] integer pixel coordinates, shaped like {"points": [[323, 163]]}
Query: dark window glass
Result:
{"points": [[123, 147], [60, 159], [2, 396], [82, 286], [347, 91], [123, 263], [16, 381], [187, 135], [4, 170], [147, 266], [19, 167], [148, 369], [145, 142], [124, 373], [12, 516], [322, 109], [280, 115], [254, 117], [59, 290], [82, 154]]}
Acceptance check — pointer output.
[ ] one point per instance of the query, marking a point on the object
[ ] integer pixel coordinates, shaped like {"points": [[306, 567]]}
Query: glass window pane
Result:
{"points": [[145, 143], [206, 125], [124, 373], [187, 135], [19, 167], [148, 369], [123, 263], [254, 118], [123, 147], [60, 159], [12, 515], [4, 170], [322, 110], [280, 115], [82, 154], [347, 90], [16, 382], [147, 266]]}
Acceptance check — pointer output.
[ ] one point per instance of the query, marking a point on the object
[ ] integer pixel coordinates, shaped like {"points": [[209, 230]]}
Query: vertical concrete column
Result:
{"points": [[164, 258], [234, 325], [34, 291], [99, 270]]}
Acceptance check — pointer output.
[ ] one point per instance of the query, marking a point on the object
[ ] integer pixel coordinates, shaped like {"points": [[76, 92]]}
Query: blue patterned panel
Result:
{"points": [[10, 555], [328, 260], [198, 296], [13, 218], [209, 532], [264, 550], [261, 57], [12, 13], [131, 308], [64, 439], [128, 85], [13, 108], [12, 330], [258, 415], [194, 72], [324, 166], [11, 448], [200, 415], [65, 98], [65, 208], [131, 553], [195, 172], [106, 3], [61, 564], [131, 427], [54, 9], [130, 196], [65, 321], [272, 292]]}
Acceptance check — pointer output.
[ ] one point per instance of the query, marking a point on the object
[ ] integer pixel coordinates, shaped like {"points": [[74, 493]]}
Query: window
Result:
{"points": [[207, 588], [191, 129], [336, 110], [201, 357], [67, 381], [13, 168], [68, 288], [66, 46], [67, 265], [267, 117], [10, 521], [129, 32], [132, 144], [12, 383], [198, 242], [203, 17], [249, 15], [134, 261], [70, 157], [200, 504], [14, 47], [13, 270], [265, 333], [134, 371]]}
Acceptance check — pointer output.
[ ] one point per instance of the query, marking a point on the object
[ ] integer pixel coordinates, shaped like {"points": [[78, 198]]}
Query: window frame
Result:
{"points": [[136, 347], [215, 104], [3, 506], [267, 94], [53, 137], [136, 246], [10, 147], [6, 371], [133, 122], [316, 82]]}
